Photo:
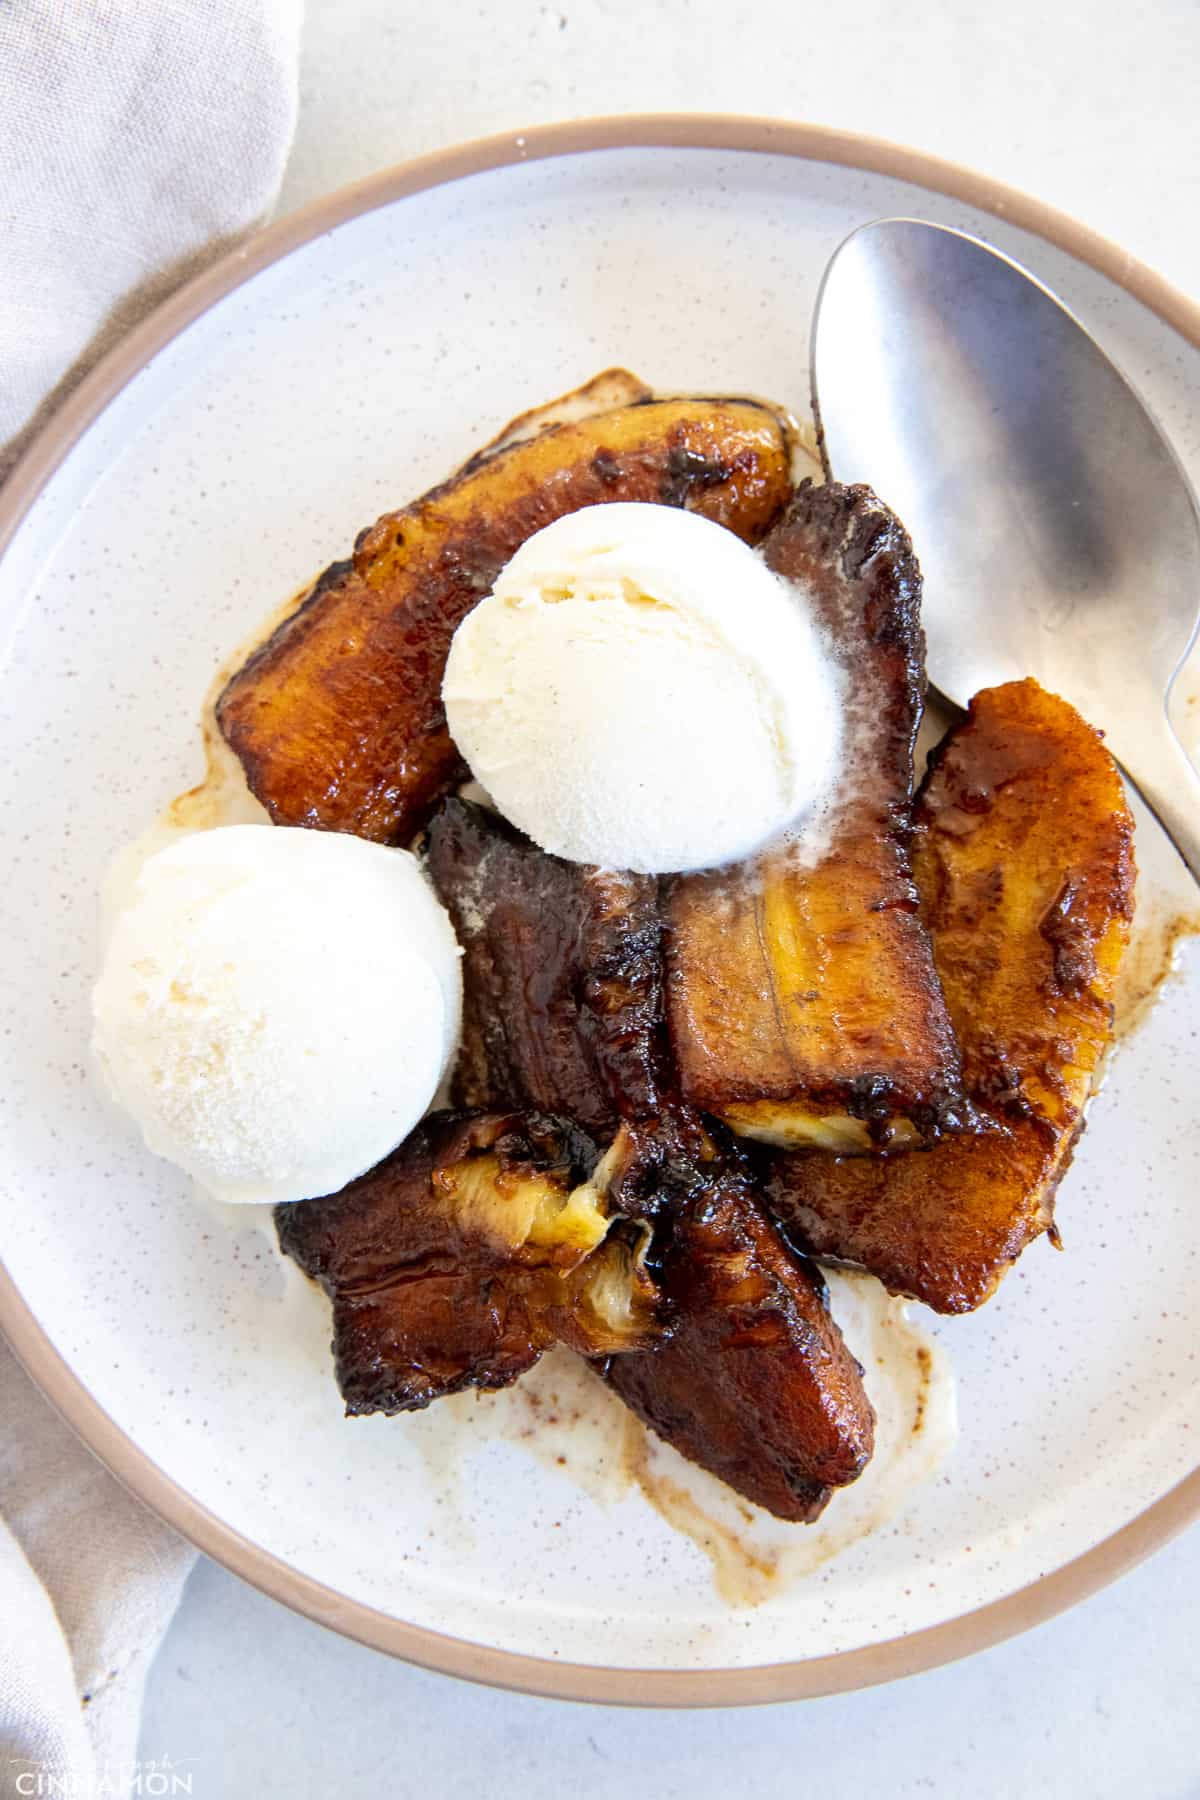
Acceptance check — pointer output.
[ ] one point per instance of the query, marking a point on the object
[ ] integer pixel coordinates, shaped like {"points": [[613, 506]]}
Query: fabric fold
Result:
{"points": [[137, 138]]}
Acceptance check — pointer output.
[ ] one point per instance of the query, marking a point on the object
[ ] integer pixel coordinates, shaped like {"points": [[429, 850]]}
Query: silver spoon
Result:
{"points": [[1056, 530]]}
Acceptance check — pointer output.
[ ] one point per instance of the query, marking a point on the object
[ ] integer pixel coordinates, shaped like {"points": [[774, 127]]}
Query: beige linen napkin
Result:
{"points": [[137, 138], [89, 1581]]}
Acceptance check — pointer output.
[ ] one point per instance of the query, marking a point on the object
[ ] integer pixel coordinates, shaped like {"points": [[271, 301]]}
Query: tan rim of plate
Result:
{"points": [[926, 1649]]}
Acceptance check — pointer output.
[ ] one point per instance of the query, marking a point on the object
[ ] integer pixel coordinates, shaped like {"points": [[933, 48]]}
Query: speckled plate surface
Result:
{"points": [[235, 445]]}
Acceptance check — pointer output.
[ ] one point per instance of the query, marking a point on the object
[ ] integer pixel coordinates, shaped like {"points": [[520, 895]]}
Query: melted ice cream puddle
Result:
{"points": [[561, 1415], [910, 1381]]}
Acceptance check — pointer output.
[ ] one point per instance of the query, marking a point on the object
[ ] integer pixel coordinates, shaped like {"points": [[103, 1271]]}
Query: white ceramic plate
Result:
{"points": [[232, 448]]}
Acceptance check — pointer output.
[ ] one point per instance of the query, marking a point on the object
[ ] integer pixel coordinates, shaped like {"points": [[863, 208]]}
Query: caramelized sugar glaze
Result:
{"points": [[804, 1003], [338, 718], [1024, 861]]}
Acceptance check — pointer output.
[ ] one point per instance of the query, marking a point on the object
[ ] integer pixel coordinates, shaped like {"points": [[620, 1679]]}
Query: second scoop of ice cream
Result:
{"points": [[639, 691], [277, 1006]]}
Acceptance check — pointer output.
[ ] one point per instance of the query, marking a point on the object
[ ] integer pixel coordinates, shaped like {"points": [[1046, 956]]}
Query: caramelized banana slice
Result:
{"points": [[802, 997], [1023, 856], [338, 720], [562, 975], [476, 1245], [755, 1382]]}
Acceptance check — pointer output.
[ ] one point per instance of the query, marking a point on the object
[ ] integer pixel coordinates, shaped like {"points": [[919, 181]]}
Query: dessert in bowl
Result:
{"points": [[737, 992]]}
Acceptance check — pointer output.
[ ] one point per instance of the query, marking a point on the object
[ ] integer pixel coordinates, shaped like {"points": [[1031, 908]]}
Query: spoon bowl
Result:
{"points": [[1057, 532]]}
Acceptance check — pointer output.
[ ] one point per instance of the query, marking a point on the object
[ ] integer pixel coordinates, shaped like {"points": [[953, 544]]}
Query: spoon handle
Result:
{"points": [[1168, 782]]}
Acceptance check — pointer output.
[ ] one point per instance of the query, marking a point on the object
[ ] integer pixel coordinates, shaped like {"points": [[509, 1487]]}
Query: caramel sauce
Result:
{"points": [[563, 1417], [743, 1576], [753, 1556], [1151, 960], [221, 797]]}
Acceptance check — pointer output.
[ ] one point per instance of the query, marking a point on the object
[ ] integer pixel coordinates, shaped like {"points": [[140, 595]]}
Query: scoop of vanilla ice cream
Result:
{"points": [[276, 1007], [640, 691]]}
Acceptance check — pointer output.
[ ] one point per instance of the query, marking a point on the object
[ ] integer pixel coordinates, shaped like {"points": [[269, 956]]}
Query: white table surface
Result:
{"points": [[1092, 106]]}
